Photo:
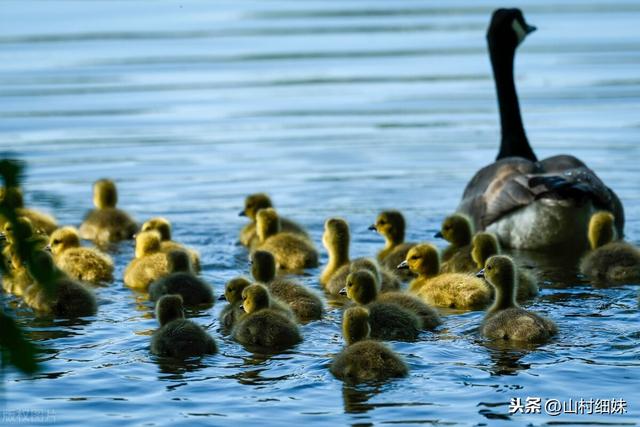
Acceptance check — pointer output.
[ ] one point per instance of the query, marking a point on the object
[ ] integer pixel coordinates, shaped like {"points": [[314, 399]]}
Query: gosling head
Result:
{"points": [[253, 203], [500, 272], [368, 264], [233, 290], [178, 261], [64, 238], [355, 325], [147, 243], [105, 194], [336, 236], [507, 30], [391, 225], [24, 229], [361, 287], [161, 225], [423, 260], [168, 308], [456, 229], [484, 245], [263, 266], [602, 229], [12, 197], [267, 223], [254, 298]]}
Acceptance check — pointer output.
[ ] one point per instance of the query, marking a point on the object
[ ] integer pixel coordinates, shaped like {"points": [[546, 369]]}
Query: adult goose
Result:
{"points": [[530, 203]]}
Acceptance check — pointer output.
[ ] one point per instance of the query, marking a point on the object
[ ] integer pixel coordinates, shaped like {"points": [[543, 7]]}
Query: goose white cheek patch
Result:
{"points": [[520, 32]]}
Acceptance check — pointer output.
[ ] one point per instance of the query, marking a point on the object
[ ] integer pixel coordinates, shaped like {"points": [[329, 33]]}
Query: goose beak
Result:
{"points": [[241, 213], [343, 291], [438, 235], [403, 265], [373, 227], [222, 298], [530, 29], [480, 273]]}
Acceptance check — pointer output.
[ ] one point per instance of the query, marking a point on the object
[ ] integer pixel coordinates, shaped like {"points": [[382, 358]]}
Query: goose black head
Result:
{"points": [[507, 29]]}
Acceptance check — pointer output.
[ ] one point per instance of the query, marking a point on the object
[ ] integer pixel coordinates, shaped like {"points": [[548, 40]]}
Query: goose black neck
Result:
{"points": [[514, 139]]}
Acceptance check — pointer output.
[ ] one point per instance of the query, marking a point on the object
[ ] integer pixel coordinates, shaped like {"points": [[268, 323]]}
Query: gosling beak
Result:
{"points": [[3, 238], [250, 262], [242, 213], [343, 291], [222, 298], [242, 308], [47, 248], [373, 227], [480, 273], [529, 28], [438, 235], [403, 265], [134, 236]]}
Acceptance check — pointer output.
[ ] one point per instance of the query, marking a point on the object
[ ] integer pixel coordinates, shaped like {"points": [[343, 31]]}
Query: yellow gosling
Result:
{"points": [[391, 225], [610, 261], [291, 251], [252, 204], [149, 264], [106, 223], [163, 226], [334, 276], [484, 246], [43, 224], [457, 230], [81, 263], [452, 290]]}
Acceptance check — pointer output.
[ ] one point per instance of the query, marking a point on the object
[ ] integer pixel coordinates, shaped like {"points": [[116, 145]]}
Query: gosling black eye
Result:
{"points": [[56, 242], [414, 257], [244, 298], [348, 285], [489, 268], [382, 222], [446, 227]]}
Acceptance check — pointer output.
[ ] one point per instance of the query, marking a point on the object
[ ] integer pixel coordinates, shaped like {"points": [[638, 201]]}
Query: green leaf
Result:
{"points": [[16, 349]]}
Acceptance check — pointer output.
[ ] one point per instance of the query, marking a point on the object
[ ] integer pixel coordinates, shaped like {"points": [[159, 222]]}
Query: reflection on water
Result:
{"points": [[335, 108]]}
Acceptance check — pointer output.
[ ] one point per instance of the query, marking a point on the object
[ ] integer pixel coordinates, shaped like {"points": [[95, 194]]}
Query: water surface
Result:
{"points": [[334, 108]]}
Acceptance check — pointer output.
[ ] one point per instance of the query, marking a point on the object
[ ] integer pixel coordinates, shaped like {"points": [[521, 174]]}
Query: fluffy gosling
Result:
{"points": [[163, 226], [305, 304], [291, 251], [364, 359], [81, 263], [610, 261], [149, 264], [252, 204], [389, 321], [178, 337], [506, 320], [452, 290], [182, 281], [264, 329], [107, 224]]}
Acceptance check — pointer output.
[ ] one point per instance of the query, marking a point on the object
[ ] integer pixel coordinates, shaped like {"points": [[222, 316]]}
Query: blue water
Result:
{"points": [[334, 108]]}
